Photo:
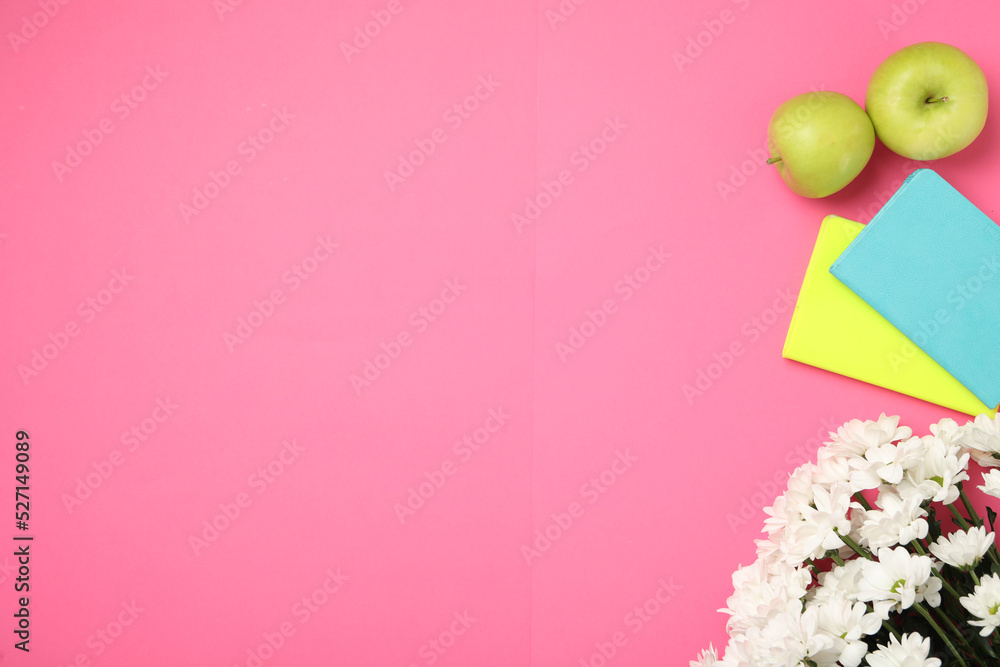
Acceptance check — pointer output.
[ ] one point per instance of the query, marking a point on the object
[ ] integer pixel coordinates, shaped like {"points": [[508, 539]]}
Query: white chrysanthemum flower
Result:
{"points": [[846, 623], [984, 604], [815, 532], [935, 475], [708, 658], [793, 637], [899, 521], [801, 483], [885, 464], [795, 580], [911, 651], [744, 650], [963, 549], [982, 438], [948, 430], [841, 579], [832, 468], [768, 550], [761, 591], [856, 437], [777, 516], [991, 483], [787, 510], [897, 580]]}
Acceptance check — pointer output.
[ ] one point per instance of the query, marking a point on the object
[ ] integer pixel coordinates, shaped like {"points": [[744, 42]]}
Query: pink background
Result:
{"points": [[650, 498]]}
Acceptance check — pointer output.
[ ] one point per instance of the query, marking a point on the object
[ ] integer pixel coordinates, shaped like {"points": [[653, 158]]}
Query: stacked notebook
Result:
{"points": [[910, 301]]}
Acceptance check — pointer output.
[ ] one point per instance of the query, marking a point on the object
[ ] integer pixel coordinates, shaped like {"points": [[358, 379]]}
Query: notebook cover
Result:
{"points": [[834, 329], [929, 262]]}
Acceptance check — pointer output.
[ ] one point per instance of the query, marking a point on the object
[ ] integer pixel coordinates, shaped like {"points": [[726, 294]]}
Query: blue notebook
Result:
{"points": [[929, 262]]}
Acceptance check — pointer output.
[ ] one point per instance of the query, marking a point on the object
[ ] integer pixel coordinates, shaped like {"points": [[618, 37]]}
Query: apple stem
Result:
{"points": [[773, 160], [932, 100]]}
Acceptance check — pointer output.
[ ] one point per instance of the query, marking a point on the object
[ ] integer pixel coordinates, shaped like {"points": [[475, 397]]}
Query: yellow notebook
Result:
{"points": [[834, 329]]}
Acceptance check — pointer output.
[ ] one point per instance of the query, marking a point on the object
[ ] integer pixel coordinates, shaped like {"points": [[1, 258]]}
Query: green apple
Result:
{"points": [[927, 101], [820, 141]]}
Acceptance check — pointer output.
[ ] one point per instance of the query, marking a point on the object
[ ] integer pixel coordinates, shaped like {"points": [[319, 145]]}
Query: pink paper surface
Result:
{"points": [[401, 333]]}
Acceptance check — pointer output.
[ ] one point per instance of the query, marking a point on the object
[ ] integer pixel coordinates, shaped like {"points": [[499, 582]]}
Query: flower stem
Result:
{"points": [[958, 633], [959, 518], [857, 548], [993, 554], [862, 500], [941, 633], [947, 586], [968, 506]]}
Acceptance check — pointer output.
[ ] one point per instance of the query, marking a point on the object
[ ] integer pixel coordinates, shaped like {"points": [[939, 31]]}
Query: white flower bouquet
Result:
{"points": [[874, 555]]}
